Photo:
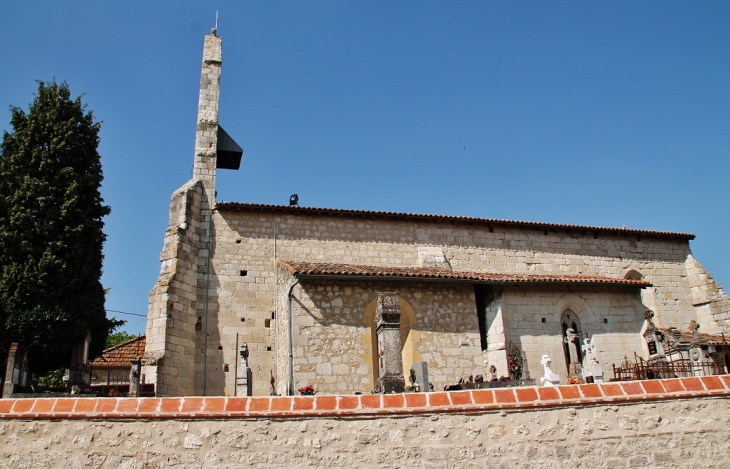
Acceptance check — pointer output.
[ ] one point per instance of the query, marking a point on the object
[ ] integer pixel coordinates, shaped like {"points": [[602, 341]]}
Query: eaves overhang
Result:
{"points": [[330, 271]]}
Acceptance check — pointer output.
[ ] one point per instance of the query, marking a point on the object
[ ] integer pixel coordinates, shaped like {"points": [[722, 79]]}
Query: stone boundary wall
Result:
{"points": [[284, 407], [682, 423]]}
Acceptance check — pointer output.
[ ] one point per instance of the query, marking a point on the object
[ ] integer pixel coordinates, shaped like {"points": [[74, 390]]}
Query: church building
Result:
{"points": [[260, 299]]}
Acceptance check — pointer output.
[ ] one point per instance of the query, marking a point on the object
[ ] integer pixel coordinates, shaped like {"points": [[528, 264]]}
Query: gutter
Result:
{"points": [[290, 391]]}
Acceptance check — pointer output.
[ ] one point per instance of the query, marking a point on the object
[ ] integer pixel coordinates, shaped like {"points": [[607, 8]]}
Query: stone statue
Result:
{"points": [[575, 370], [550, 378], [591, 366]]}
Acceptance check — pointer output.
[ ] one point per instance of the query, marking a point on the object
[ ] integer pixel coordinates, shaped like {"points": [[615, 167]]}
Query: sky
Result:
{"points": [[588, 113]]}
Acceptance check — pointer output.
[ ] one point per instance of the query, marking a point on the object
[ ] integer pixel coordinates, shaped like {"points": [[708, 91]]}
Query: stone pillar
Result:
{"points": [[134, 377], [390, 360], [243, 374], [206, 135], [16, 373]]}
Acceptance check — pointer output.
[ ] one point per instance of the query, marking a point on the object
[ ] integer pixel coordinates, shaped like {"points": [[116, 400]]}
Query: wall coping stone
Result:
{"points": [[282, 407]]}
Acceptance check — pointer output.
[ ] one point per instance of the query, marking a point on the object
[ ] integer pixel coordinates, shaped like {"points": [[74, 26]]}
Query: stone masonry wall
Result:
{"points": [[611, 317], [663, 423], [173, 302], [178, 317], [251, 242]]}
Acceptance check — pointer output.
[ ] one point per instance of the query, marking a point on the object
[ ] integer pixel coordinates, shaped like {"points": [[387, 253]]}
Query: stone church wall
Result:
{"points": [[245, 305], [681, 423]]}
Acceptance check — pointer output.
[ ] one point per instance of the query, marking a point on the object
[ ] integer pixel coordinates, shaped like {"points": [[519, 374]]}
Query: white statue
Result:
{"points": [[550, 378], [591, 367]]}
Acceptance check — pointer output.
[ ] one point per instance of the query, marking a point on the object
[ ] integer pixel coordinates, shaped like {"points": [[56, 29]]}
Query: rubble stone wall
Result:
{"points": [[664, 423]]}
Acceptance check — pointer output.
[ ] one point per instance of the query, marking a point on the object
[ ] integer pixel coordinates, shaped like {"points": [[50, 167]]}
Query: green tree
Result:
{"points": [[51, 229], [118, 338]]}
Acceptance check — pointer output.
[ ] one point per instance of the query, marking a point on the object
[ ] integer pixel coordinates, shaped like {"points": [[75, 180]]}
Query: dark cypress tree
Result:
{"points": [[51, 229]]}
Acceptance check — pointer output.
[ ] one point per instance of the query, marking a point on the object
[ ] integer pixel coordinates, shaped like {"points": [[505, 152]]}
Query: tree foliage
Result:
{"points": [[118, 338], [51, 229]]}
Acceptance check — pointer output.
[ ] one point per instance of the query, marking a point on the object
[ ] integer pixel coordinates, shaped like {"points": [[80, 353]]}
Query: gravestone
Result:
{"points": [[550, 378], [420, 372], [591, 366], [390, 360], [243, 373]]}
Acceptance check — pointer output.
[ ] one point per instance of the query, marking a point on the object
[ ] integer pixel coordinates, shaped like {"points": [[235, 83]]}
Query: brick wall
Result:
{"points": [[660, 423]]}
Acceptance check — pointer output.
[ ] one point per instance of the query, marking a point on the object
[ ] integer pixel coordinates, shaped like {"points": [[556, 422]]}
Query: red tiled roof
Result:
{"points": [[703, 337], [121, 355], [238, 206], [304, 269]]}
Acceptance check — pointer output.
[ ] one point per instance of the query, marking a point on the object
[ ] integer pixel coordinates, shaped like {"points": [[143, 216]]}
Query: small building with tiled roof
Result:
{"points": [[296, 293], [112, 367]]}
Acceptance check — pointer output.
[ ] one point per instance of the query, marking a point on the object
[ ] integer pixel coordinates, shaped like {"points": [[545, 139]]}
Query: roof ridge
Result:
{"points": [[372, 213]]}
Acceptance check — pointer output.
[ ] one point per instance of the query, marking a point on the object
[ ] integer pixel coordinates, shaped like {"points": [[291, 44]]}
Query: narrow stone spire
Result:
{"points": [[206, 136]]}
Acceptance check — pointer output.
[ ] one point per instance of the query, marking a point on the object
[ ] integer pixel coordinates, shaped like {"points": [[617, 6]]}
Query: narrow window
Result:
{"points": [[483, 295]]}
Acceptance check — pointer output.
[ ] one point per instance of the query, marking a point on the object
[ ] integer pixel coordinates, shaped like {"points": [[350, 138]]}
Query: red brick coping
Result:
{"points": [[341, 406]]}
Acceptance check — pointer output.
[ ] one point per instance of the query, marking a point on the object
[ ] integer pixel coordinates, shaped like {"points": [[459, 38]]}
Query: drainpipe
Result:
{"points": [[291, 353]]}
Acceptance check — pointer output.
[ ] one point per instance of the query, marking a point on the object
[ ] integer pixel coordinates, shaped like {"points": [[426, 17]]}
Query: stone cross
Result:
{"points": [[694, 328], [387, 328], [550, 378]]}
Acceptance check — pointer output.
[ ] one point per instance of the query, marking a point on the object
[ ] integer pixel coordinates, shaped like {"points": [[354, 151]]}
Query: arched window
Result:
{"points": [[569, 320]]}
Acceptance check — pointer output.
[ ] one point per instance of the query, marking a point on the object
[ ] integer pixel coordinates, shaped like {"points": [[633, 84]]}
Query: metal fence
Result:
{"points": [[681, 368]]}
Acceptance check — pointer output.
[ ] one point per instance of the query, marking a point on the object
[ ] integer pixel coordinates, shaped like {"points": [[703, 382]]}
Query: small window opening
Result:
{"points": [[268, 349], [543, 319], [267, 322], [491, 229], [483, 295], [243, 273], [243, 319], [225, 368], [238, 241], [220, 347], [273, 315], [605, 320], [545, 232]]}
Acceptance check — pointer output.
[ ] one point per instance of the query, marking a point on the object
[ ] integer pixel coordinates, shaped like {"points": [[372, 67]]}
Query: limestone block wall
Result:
{"points": [[662, 423], [611, 317], [709, 299], [173, 304], [249, 242]]}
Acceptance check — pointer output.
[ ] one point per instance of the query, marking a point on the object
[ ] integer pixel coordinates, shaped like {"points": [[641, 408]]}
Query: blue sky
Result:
{"points": [[611, 114]]}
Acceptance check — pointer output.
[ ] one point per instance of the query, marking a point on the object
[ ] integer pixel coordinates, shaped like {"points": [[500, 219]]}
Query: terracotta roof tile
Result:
{"points": [[120, 355], [704, 338], [238, 206], [350, 270]]}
